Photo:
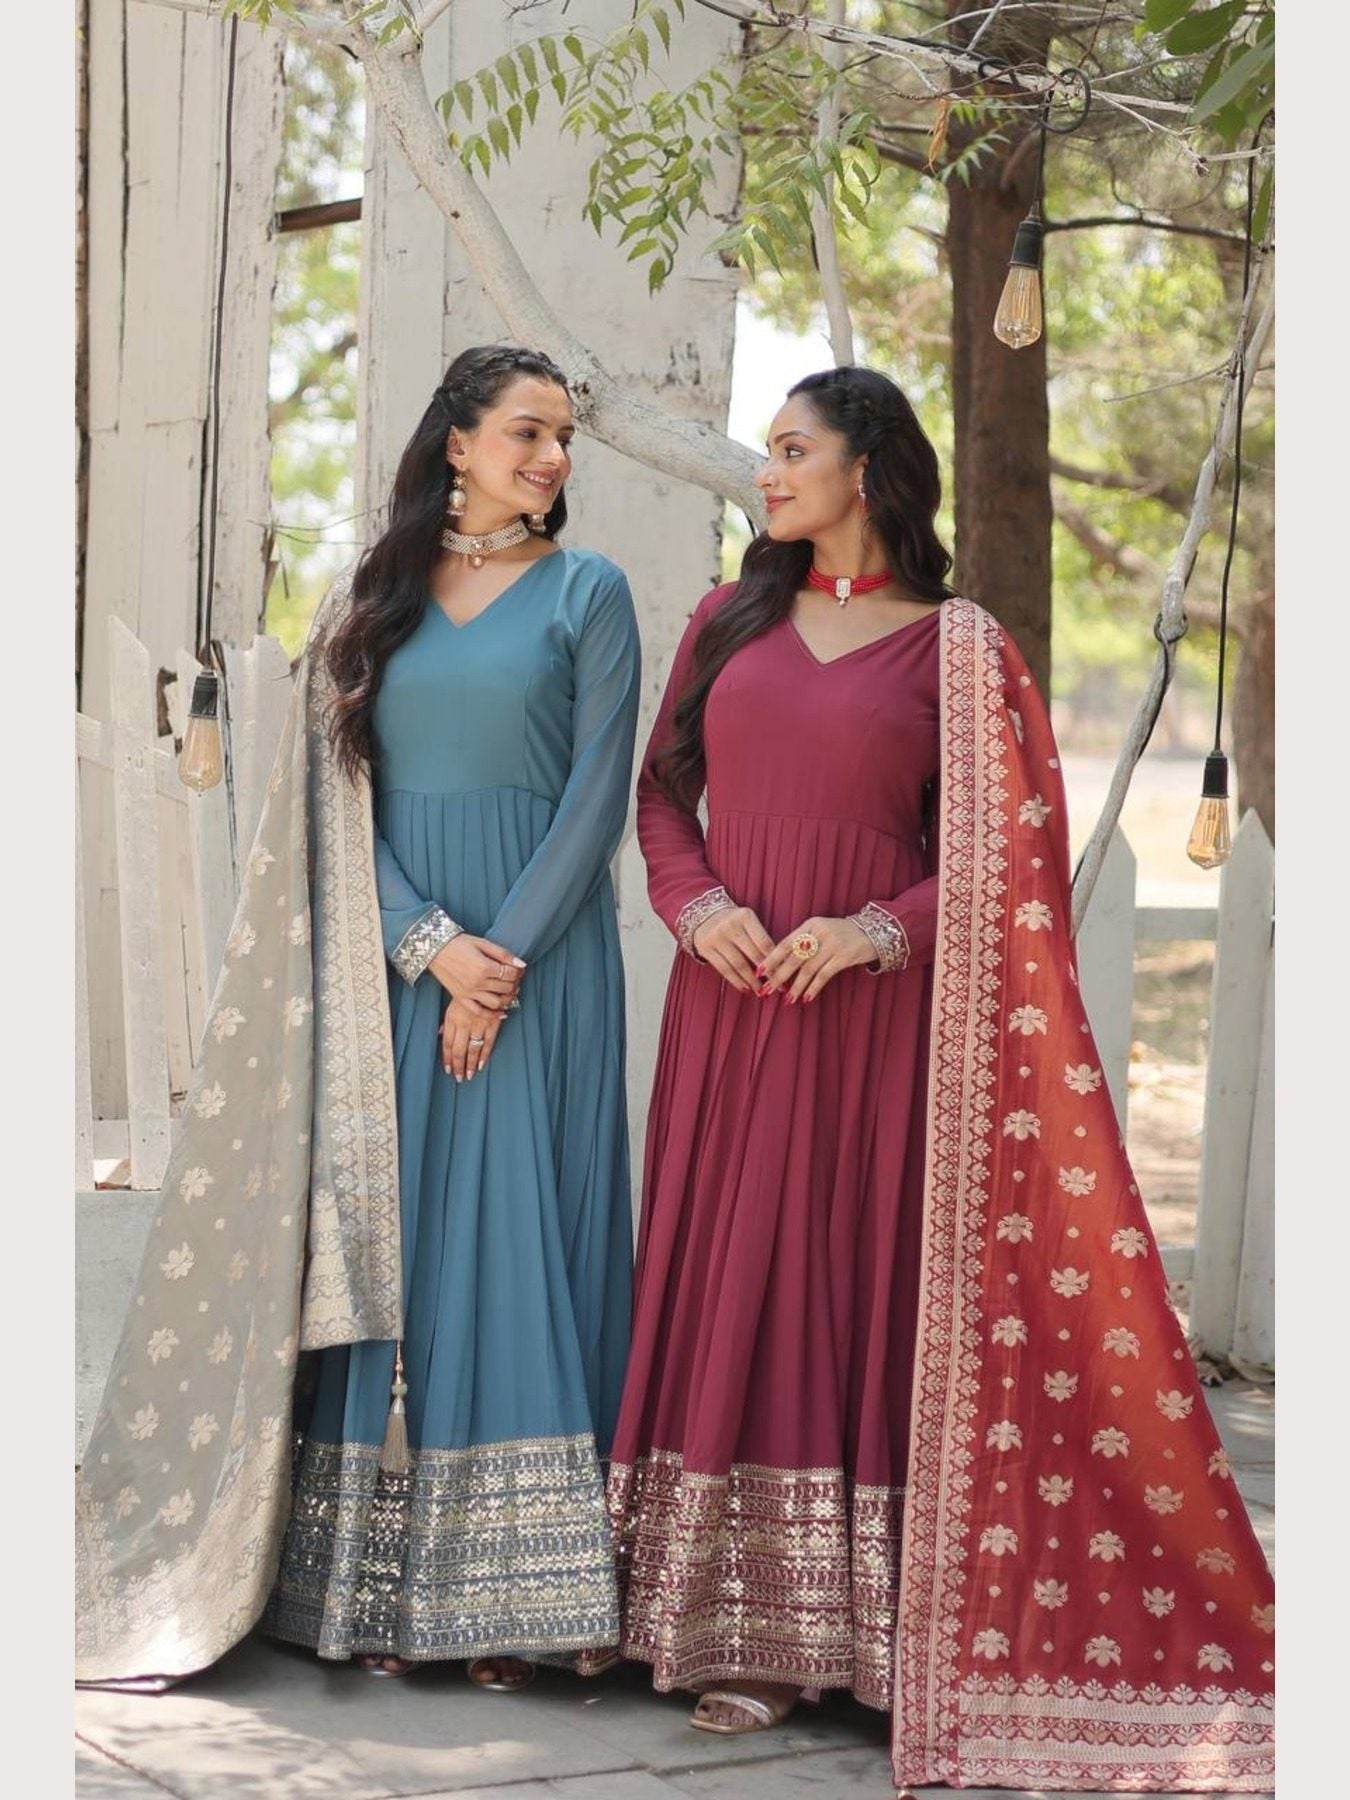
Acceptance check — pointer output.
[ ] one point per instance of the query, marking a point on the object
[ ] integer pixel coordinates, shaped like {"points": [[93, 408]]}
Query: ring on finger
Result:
{"points": [[805, 945]]}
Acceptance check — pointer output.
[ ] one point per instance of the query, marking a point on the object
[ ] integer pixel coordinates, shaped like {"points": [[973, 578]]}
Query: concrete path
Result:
{"points": [[272, 1723]]}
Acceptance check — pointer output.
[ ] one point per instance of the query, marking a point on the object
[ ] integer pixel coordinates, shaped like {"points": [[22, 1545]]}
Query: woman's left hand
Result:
{"points": [[843, 945], [467, 1038]]}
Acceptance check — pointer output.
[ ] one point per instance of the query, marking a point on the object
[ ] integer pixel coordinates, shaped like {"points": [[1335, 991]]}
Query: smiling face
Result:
{"points": [[516, 459], [809, 481]]}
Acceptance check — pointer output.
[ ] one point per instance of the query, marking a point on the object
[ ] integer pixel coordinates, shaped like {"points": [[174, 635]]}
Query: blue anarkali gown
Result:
{"points": [[501, 779]]}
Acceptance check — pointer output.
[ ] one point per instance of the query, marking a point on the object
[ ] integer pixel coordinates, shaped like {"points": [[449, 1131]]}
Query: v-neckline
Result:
{"points": [[496, 599], [857, 650]]}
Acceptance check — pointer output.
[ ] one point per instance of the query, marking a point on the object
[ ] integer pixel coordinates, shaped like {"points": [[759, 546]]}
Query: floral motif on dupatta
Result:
{"points": [[277, 1229], [1083, 1603]]}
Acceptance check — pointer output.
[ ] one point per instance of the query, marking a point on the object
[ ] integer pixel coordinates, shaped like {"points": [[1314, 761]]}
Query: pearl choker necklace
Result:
{"points": [[476, 548]]}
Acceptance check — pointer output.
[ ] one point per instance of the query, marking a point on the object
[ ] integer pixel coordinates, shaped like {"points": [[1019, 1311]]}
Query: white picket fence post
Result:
{"points": [[1235, 1121], [177, 882], [1106, 966]]}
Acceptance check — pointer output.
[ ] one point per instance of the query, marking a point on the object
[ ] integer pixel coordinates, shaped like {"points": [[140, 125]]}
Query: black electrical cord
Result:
{"points": [[207, 591], [1240, 401]]}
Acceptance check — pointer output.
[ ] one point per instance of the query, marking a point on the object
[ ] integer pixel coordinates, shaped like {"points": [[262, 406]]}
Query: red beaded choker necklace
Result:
{"points": [[843, 587]]}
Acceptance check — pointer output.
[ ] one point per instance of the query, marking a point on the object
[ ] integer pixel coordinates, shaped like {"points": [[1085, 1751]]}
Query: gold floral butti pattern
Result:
{"points": [[1083, 1603], [499, 1548], [277, 1228], [783, 1574]]}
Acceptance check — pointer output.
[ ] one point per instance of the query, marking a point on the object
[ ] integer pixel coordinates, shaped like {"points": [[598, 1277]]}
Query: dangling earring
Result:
{"points": [[538, 524], [458, 500]]}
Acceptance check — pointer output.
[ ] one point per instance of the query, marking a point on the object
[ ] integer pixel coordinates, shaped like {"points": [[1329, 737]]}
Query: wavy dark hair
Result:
{"points": [[390, 590], [903, 486]]}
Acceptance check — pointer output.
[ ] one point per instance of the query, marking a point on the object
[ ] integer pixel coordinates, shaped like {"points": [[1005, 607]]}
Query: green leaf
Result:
{"points": [[1160, 14], [487, 82], [645, 248], [1202, 30], [506, 68], [559, 84], [549, 49], [464, 95], [531, 104], [656, 275], [529, 62], [515, 120], [1242, 73], [573, 46], [501, 141], [661, 25], [483, 154]]}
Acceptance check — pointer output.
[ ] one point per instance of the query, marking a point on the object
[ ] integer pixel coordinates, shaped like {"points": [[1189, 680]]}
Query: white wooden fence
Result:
{"points": [[178, 861], [178, 856], [1231, 1265]]}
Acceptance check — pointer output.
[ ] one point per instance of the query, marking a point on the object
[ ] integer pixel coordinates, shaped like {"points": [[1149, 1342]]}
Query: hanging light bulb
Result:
{"points": [[1020, 317], [201, 764], [1211, 840]]}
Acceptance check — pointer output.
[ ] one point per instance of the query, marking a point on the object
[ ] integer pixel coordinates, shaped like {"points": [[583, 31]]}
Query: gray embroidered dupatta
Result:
{"points": [[278, 1231]]}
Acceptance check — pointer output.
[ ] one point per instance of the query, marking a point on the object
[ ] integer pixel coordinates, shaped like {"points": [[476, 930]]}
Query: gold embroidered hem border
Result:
{"points": [[772, 1574], [490, 1550]]}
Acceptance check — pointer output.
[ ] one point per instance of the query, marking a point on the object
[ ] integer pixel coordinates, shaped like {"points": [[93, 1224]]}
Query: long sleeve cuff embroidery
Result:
{"points": [[887, 934], [715, 900], [420, 942]]}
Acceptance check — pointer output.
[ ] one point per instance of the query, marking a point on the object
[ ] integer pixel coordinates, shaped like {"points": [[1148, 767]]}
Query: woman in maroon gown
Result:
{"points": [[832, 1466]]}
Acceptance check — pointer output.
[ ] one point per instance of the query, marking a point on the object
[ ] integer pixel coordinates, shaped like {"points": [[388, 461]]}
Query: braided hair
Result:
{"points": [[391, 586]]}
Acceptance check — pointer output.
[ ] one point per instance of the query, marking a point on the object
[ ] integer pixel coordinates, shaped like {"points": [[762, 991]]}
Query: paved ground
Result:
{"points": [[270, 1723]]}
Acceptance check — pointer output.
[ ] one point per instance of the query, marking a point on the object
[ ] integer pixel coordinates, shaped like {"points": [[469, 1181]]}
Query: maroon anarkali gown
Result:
{"points": [[762, 1442], [908, 1411]]}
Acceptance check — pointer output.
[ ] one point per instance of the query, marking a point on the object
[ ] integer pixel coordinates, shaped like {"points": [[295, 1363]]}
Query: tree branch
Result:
{"points": [[822, 211], [1033, 81], [1171, 626], [1105, 551], [1142, 486], [685, 448], [1090, 224], [429, 15]]}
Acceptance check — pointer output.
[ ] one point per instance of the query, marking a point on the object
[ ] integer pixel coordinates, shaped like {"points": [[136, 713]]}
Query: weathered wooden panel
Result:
{"points": [[1106, 966], [84, 1110], [1254, 1314], [1241, 957], [135, 811], [245, 502]]}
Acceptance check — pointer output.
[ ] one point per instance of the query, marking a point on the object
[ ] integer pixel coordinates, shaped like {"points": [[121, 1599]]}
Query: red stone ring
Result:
{"points": [[805, 945]]}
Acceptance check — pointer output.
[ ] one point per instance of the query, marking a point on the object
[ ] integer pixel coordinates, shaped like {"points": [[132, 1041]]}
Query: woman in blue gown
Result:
{"points": [[489, 681]]}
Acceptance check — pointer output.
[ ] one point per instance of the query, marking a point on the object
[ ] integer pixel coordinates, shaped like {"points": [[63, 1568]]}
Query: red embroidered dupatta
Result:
{"points": [[1083, 1601]]}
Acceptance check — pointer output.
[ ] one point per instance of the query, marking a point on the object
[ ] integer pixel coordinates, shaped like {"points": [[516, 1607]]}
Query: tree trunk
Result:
{"points": [[1001, 410], [1254, 711]]}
